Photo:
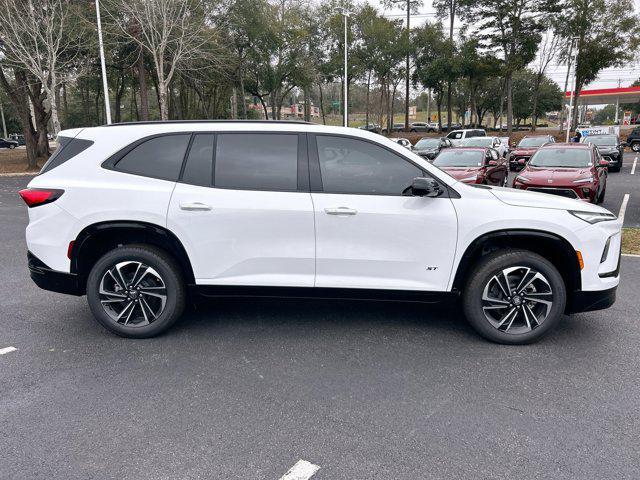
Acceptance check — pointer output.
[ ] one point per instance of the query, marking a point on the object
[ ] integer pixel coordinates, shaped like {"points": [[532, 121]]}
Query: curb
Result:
{"points": [[23, 174]]}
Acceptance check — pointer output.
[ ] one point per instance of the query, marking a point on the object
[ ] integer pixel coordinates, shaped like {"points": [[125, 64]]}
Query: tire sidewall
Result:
{"points": [[167, 270], [495, 263]]}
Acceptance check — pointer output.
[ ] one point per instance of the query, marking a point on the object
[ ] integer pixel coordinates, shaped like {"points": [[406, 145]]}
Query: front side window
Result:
{"points": [[349, 165], [158, 157], [455, 135], [256, 161]]}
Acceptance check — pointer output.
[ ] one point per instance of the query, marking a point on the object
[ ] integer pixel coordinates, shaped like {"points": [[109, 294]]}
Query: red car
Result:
{"points": [[573, 170], [527, 147], [478, 165]]}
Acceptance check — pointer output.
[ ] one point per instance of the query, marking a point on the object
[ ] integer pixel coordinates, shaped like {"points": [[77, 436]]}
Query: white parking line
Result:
{"points": [[633, 255], [633, 167], [302, 470], [6, 350], [623, 207]]}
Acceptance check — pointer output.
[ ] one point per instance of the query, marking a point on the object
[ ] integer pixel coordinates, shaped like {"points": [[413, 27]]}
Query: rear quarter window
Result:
{"points": [[67, 149], [157, 157]]}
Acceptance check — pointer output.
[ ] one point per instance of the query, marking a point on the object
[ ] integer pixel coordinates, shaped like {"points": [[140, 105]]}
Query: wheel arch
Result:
{"points": [[549, 245], [97, 239]]}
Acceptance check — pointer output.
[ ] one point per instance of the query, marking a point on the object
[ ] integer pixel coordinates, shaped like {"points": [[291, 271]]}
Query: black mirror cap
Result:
{"points": [[425, 187]]}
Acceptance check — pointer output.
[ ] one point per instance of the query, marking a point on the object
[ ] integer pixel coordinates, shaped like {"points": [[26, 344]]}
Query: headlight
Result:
{"points": [[522, 179], [593, 217], [584, 180]]}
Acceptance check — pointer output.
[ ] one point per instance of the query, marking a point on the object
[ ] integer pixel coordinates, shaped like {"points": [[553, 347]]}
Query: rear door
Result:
{"points": [[243, 210], [368, 235]]}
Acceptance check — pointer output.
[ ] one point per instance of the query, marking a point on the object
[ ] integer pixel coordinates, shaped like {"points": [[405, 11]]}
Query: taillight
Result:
{"points": [[34, 197]]}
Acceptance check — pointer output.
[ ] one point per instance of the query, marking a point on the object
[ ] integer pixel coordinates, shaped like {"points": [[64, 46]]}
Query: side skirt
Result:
{"points": [[215, 291]]}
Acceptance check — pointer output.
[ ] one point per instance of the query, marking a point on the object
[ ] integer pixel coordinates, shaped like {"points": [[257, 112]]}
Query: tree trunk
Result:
{"points": [[163, 100], [367, 101], [142, 86], [536, 92], [429, 105], [439, 106], [242, 95], [449, 110], [120, 88], [19, 97], [324, 120], [574, 114], [509, 104]]}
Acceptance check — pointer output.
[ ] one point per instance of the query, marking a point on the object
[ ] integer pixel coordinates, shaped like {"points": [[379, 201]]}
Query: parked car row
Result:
{"points": [[573, 170]]}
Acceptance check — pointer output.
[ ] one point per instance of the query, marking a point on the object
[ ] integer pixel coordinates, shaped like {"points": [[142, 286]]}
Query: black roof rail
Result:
{"points": [[163, 122]]}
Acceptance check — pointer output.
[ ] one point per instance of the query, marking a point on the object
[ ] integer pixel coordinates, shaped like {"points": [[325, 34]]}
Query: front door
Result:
{"points": [[242, 214], [368, 235]]}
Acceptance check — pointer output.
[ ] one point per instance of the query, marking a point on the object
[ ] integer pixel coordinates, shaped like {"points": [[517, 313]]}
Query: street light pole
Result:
{"points": [[344, 12], [107, 107], [575, 71]]}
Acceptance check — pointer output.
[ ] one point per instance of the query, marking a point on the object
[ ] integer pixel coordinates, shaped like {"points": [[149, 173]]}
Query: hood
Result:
{"points": [[462, 172], [523, 198], [425, 149], [524, 151], [552, 177], [608, 149]]}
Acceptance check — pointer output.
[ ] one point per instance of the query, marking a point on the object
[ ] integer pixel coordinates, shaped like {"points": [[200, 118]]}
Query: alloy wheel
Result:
{"points": [[132, 293], [517, 300]]}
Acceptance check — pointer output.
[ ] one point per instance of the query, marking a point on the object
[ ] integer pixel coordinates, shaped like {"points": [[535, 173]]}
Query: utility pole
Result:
{"points": [[4, 124], [406, 99], [617, 104], [107, 105], [575, 72], [345, 109]]}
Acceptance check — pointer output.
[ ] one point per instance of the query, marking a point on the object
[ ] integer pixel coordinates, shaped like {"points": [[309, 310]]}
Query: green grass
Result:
{"points": [[631, 241]]}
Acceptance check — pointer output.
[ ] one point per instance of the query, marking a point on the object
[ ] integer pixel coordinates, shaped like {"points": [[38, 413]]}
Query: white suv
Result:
{"points": [[138, 216]]}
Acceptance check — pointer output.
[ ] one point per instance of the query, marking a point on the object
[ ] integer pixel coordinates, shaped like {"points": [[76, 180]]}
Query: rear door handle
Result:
{"points": [[340, 211], [195, 206]]}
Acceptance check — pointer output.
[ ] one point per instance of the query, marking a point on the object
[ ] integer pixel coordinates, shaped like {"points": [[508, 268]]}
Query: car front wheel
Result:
{"points": [[514, 297], [136, 291], [635, 146], [11, 147]]}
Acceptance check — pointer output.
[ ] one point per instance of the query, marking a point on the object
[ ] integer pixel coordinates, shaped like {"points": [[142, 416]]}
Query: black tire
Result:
{"points": [[482, 276], [635, 146], [616, 169], [413, 130], [11, 147], [169, 275], [602, 194]]}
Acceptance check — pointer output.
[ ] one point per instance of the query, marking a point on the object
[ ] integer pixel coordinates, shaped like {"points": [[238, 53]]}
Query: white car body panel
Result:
{"points": [[286, 238]]}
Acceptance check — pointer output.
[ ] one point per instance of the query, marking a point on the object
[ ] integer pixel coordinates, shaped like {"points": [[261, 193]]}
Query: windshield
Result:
{"points": [[428, 143], [561, 157], [477, 142], [533, 141], [602, 140], [459, 158]]}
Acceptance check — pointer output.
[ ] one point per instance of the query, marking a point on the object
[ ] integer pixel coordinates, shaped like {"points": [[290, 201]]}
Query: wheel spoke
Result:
{"points": [[529, 317], [508, 317], [538, 300], [144, 303], [125, 309]]}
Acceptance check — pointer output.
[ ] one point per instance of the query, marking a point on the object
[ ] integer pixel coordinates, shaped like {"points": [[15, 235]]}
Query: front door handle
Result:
{"points": [[340, 211], [195, 206]]}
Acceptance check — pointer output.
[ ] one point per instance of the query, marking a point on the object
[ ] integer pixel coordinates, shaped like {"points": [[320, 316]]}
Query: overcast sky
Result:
{"points": [[608, 78]]}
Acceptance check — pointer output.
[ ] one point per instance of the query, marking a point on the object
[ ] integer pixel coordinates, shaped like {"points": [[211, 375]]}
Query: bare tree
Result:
{"points": [[548, 50], [39, 37], [173, 32]]}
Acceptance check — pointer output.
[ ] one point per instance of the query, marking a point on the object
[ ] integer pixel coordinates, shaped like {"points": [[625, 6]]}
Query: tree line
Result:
{"points": [[191, 59]]}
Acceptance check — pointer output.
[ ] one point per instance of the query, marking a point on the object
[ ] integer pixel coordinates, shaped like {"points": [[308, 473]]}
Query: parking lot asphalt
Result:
{"points": [[364, 390]]}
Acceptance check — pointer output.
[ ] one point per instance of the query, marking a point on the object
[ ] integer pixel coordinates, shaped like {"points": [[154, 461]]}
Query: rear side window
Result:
{"points": [[197, 170], [67, 149], [258, 161], [158, 157]]}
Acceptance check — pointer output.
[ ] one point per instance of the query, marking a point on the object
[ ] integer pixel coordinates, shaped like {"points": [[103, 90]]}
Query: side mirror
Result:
{"points": [[603, 163], [424, 187], [492, 163], [521, 161]]}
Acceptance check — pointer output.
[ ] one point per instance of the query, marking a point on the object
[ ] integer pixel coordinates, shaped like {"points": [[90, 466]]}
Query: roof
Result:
{"points": [[599, 96], [566, 145], [166, 122]]}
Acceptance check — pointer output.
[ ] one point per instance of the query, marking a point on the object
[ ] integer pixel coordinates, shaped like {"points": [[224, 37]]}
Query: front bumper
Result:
{"points": [[53, 280], [582, 301]]}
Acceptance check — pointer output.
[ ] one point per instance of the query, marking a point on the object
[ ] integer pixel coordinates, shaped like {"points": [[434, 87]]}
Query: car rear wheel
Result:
{"points": [[136, 291], [514, 297], [11, 147], [635, 146]]}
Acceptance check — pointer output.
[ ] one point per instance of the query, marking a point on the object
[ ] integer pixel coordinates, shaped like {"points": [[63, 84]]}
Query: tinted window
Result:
{"points": [[455, 135], [197, 170], [533, 141], [477, 142], [348, 165], [159, 157], [460, 158], [257, 161], [601, 140], [562, 157], [428, 143], [67, 149]]}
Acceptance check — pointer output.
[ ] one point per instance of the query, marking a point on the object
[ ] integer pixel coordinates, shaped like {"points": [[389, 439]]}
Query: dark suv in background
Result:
{"points": [[633, 139], [610, 148]]}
